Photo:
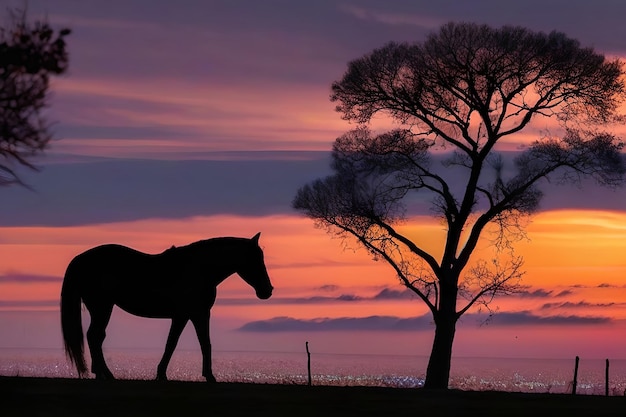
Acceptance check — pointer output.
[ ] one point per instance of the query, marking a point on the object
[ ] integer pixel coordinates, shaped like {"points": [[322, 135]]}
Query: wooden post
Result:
{"points": [[606, 379], [308, 364], [575, 376]]}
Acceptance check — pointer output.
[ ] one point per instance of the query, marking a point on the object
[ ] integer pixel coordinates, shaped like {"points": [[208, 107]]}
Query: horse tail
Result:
{"points": [[71, 319]]}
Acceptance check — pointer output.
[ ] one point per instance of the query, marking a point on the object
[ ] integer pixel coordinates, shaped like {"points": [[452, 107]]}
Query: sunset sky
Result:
{"points": [[180, 121]]}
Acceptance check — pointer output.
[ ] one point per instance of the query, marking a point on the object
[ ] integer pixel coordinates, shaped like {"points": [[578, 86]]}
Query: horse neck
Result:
{"points": [[223, 261]]}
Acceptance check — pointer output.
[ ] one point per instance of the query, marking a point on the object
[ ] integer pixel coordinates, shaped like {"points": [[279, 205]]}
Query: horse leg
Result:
{"points": [[201, 324], [96, 333], [178, 324]]}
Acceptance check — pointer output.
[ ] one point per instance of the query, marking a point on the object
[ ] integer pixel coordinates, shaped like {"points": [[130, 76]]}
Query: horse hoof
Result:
{"points": [[161, 378], [211, 380]]}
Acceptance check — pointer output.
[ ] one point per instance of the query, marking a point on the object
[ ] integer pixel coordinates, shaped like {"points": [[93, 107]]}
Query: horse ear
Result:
{"points": [[255, 238]]}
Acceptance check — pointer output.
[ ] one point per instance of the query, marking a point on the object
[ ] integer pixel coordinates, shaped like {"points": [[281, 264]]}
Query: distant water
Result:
{"points": [[521, 375]]}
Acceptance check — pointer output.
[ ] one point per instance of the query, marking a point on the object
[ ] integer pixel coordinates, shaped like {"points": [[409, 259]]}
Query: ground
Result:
{"points": [[73, 397]]}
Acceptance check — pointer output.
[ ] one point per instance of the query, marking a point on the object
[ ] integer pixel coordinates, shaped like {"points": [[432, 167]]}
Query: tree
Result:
{"points": [[460, 93], [29, 54]]}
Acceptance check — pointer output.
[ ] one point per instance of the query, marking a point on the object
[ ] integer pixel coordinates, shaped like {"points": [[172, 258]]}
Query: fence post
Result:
{"points": [[308, 364], [606, 379], [575, 376]]}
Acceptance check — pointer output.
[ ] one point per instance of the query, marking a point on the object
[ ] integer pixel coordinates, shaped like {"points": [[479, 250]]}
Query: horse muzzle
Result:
{"points": [[265, 294]]}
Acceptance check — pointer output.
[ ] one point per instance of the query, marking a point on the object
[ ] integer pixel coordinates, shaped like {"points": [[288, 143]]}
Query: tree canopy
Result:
{"points": [[454, 97], [30, 52]]}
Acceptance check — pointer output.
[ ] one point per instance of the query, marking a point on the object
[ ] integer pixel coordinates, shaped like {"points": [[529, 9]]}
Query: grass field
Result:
{"points": [[73, 397]]}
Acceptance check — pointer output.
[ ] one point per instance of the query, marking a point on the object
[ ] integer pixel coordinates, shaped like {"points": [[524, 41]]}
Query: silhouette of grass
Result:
{"points": [[74, 397]]}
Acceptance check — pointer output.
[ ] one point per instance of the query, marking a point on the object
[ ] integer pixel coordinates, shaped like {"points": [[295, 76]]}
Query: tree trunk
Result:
{"points": [[438, 371]]}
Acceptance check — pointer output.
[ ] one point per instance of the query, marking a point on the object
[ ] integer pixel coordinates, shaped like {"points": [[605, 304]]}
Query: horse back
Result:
{"points": [[110, 257], [143, 284]]}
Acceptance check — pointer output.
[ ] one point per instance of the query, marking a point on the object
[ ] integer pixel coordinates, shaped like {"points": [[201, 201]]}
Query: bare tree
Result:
{"points": [[459, 93], [29, 54]]}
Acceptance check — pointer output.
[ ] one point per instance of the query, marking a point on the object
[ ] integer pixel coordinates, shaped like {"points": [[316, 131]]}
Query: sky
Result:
{"points": [[180, 121]]}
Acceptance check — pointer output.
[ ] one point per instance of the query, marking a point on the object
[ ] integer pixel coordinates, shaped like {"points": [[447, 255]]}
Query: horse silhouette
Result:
{"points": [[179, 283]]}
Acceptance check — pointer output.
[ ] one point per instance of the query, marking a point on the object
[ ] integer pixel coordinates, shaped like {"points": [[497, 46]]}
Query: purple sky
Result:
{"points": [[168, 81]]}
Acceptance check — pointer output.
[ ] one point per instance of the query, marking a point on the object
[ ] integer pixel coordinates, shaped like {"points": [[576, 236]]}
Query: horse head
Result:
{"points": [[253, 270]]}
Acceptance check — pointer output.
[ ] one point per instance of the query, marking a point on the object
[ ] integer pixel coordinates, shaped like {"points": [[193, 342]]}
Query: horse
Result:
{"points": [[179, 283]]}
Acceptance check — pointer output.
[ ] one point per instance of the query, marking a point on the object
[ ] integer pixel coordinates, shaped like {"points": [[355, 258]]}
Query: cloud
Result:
{"points": [[424, 322], [541, 293], [389, 294], [379, 323], [348, 298], [104, 190], [220, 45], [538, 293], [112, 190], [21, 278], [385, 294], [391, 18], [22, 304], [527, 318], [580, 304], [603, 285]]}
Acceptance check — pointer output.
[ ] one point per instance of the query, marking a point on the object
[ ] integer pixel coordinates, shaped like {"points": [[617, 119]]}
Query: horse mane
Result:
{"points": [[173, 248], [203, 242]]}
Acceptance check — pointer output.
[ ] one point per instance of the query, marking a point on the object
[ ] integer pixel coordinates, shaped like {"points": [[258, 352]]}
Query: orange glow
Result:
{"points": [[566, 248], [577, 247]]}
